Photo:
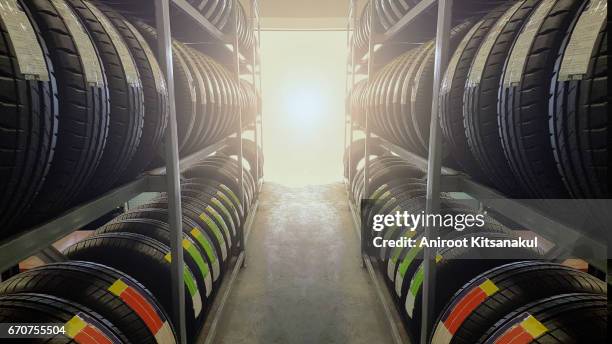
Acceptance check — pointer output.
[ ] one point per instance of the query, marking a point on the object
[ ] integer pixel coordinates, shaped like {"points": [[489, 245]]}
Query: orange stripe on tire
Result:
{"points": [[463, 309]]}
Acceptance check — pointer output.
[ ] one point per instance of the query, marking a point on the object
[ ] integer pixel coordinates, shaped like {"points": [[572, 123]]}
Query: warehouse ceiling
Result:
{"points": [[303, 14]]}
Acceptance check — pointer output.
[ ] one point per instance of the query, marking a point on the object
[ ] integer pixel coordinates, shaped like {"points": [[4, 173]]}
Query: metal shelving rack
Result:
{"points": [[439, 178], [38, 241]]}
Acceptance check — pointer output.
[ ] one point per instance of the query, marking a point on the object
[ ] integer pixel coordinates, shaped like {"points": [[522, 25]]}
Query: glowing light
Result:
{"points": [[305, 103]]}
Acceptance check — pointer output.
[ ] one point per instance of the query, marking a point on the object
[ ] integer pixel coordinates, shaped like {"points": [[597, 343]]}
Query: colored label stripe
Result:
{"points": [[224, 210], [401, 271], [415, 286], [216, 231], [226, 200], [165, 335], [522, 331], [378, 191], [466, 303], [231, 193], [219, 219], [206, 245], [201, 264], [229, 204], [137, 303], [191, 285], [147, 311], [86, 330]]}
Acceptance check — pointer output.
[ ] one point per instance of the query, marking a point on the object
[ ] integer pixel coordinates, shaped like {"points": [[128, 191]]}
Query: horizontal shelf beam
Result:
{"points": [[408, 18], [565, 237], [191, 11], [573, 240], [28, 243], [419, 161], [195, 158]]}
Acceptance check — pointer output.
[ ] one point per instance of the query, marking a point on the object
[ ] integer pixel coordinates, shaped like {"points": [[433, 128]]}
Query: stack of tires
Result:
{"points": [[483, 295], [118, 280], [398, 97], [220, 14], [389, 12], [85, 105], [523, 104], [362, 29], [208, 97]]}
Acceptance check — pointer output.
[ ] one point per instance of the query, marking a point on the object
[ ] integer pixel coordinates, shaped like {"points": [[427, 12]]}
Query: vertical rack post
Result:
{"points": [[368, 134], [236, 43], [257, 85], [352, 24], [254, 80], [434, 165], [173, 186], [347, 88], [259, 82]]}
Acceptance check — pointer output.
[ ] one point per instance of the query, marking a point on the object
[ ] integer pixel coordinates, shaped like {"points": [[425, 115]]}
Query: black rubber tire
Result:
{"points": [[579, 125], [211, 213], [184, 84], [137, 223], [515, 285], [28, 130], [40, 308], [89, 285], [83, 117], [480, 102], [155, 94], [161, 215], [569, 318], [201, 88], [421, 95], [208, 194], [125, 99], [523, 107], [129, 253], [192, 209], [249, 151], [209, 243], [451, 96], [454, 270]]}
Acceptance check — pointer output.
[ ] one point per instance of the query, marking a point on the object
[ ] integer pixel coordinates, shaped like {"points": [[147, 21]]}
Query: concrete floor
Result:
{"points": [[303, 282]]}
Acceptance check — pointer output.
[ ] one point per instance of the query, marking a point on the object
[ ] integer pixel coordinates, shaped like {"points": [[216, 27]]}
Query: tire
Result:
{"points": [[125, 98], [567, 318], [203, 245], [213, 218], [29, 122], [40, 308], [196, 261], [155, 95], [579, 120], [249, 151], [184, 84], [481, 96], [117, 297], [82, 105], [503, 290], [421, 93], [201, 88], [452, 90], [454, 270], [524, 95], [128, 253], [195, 211], [212, 193], [198, 230]]}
